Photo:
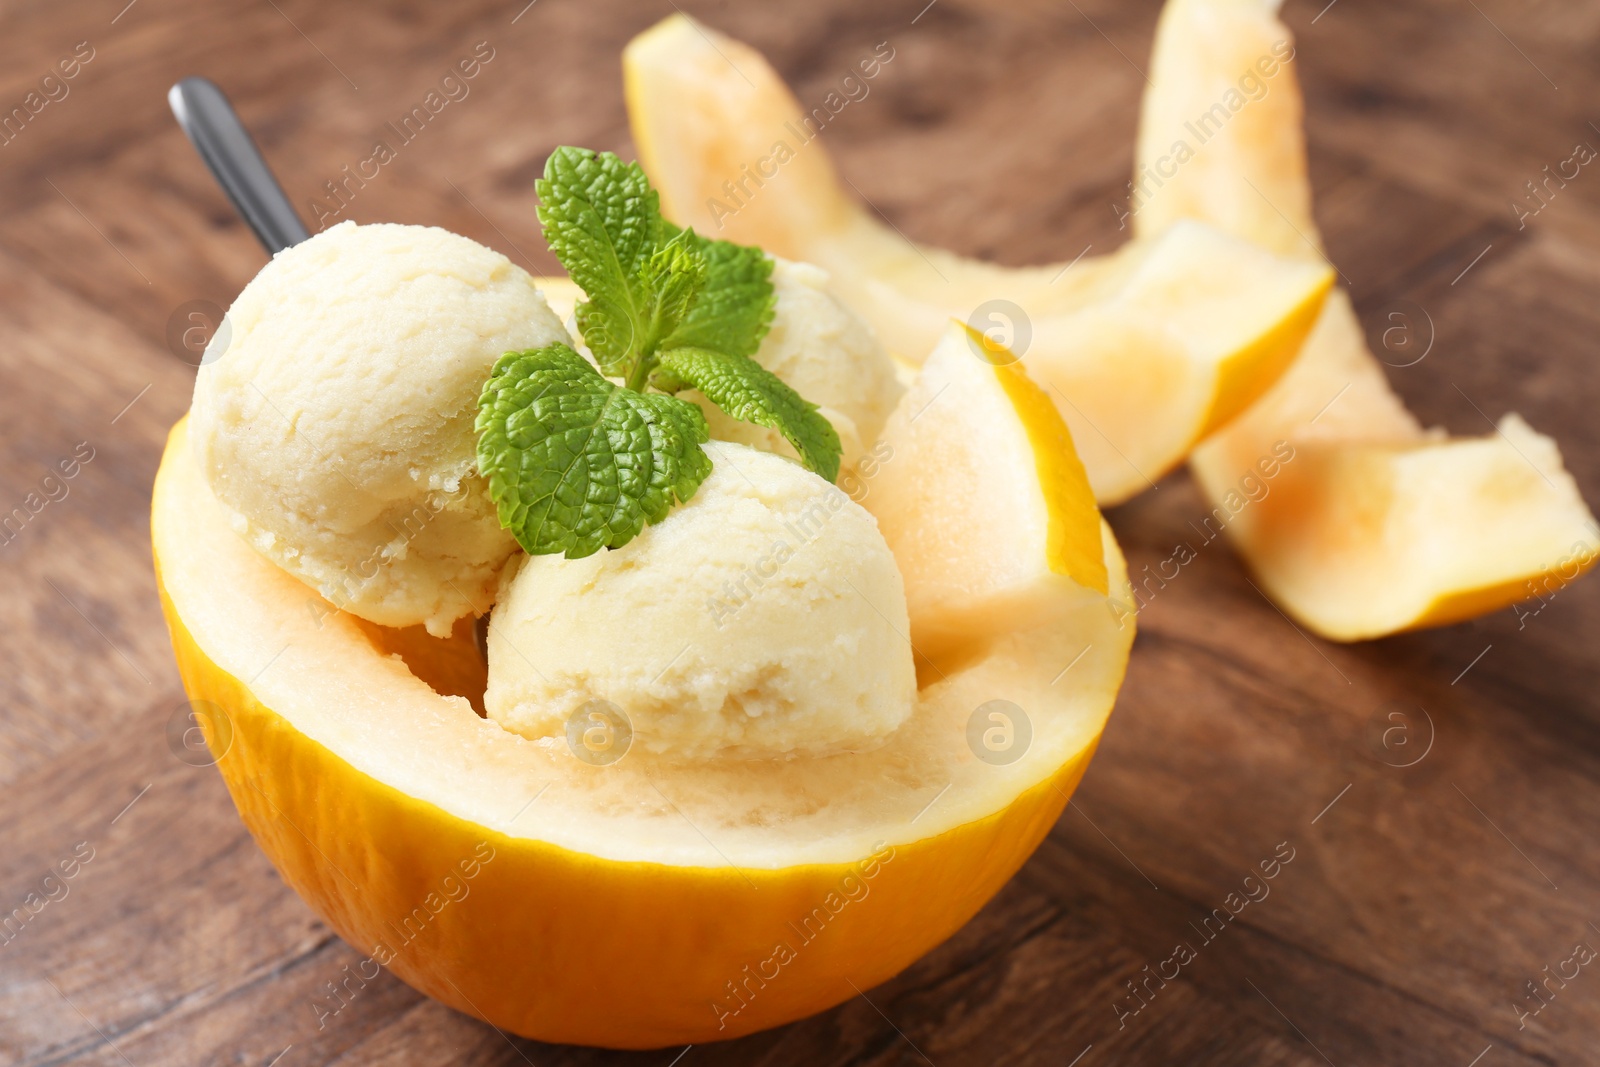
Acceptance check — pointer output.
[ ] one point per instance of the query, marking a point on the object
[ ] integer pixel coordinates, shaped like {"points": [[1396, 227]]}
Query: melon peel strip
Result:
{"points": [[1376, 526]]}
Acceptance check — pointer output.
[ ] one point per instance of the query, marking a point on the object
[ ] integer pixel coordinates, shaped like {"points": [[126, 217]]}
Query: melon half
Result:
{"points": [[639, 904]]}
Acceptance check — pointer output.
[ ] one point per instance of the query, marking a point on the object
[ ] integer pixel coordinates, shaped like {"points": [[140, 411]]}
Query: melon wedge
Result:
{"points": [[1145, 351], [982, 499], [641, 904], [1375, 526]]}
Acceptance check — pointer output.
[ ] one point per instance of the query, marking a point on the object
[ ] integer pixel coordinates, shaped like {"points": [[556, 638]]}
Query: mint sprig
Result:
{"points": [[576, 462], [602, 220]]}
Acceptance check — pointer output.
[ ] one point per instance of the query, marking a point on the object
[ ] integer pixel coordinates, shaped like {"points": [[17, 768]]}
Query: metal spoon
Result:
{"points": [[227, 148]]}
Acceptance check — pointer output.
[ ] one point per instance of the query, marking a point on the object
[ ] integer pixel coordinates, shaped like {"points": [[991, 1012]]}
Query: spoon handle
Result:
{"points": [[213, 127]]}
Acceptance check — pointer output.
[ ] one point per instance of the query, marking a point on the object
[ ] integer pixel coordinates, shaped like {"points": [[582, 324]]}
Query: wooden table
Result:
{"points": [[1420, 899]]}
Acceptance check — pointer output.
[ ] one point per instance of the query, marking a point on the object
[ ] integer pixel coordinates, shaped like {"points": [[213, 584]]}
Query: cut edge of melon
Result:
{"points": [[1074, 547], [1246, 376]]}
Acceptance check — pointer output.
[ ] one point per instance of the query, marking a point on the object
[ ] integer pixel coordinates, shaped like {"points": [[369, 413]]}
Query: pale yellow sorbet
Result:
{"points": [[765, 618], [826, 353], [333, 416]]}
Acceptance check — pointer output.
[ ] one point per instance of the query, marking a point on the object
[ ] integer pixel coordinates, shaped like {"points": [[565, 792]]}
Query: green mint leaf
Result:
{"points": [[671, 279], [749, 392], [603, 222], [734, 309], [574, 462]]}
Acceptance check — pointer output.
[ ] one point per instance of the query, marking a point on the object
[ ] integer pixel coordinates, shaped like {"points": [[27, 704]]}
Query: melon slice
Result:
{"points": [[1375, 526], [1145, 351], [640, 904], [982, 499]]}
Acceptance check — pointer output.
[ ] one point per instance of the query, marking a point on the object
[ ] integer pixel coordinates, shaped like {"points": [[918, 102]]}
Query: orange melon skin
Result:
{"points": [[569, 948], [1467, 604]]}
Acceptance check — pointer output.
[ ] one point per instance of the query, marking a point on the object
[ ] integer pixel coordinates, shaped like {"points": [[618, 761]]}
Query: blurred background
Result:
{"points": [[1438, 876]]}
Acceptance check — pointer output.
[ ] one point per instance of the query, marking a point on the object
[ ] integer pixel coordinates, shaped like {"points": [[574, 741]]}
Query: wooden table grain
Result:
{"points": [[1436, 871]]}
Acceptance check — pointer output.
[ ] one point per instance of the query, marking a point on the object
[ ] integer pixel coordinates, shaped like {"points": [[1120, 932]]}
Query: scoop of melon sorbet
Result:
{"points": [[827, 354], [335, 421], [763, 619]]}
